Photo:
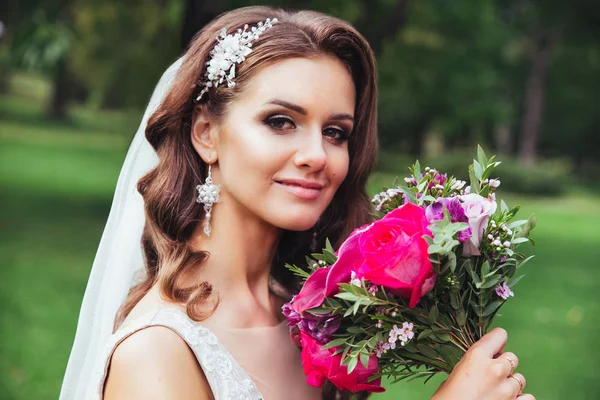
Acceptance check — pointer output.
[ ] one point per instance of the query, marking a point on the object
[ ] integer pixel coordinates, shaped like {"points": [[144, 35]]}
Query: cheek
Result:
{"points": [[338, 166], [250, 155]]}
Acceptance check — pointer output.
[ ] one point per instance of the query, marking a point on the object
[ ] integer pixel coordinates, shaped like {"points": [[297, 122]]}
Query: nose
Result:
{"points": [[311, 153]]}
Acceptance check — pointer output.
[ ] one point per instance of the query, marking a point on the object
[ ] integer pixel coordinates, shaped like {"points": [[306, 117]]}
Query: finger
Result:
{"points": [[492, 342], [525, 397], [510, 361], [517, 383]]}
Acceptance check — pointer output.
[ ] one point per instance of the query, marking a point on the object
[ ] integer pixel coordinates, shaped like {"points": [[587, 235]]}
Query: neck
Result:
{"points": [[241, 249]]}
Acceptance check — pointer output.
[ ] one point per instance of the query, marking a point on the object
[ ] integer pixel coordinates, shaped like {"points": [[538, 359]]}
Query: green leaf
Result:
{"points": [[356, 306], [492, 307], [450, 353], [364, 359], [352, 364], [454, 301], [434, 313], [478, 170], [411, 195], [347, 296], [417, 170], [475, 185], [518, 240], [334, 343], [488, 171], [461, 317], [481, 156], [443, 337], [355, 329], [328, 246], [515, 281], [319, 311], [427, 351], [424, 334], [434, 248], [491, 281], [525, 261], [485, 268], [330, 258]]}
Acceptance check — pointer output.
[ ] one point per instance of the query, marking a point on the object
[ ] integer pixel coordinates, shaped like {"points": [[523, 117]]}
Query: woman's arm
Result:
{"points": [[485, 373], [155, 363]]}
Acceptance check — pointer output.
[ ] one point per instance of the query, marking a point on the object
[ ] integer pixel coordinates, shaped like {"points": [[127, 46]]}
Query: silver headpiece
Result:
{"points": [[231, 49]]}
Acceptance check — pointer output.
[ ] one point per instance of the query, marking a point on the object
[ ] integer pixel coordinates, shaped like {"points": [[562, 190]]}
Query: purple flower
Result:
{"points": [[439, 179], [435, 212], [381, 348], [320, 327], [504, 291]]}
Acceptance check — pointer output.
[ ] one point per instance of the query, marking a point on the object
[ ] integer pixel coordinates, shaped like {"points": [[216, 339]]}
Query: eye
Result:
{"points": [[279, 123], [337, 135]]}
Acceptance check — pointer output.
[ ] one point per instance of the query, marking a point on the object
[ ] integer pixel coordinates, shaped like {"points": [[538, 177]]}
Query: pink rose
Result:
{"points": [[395, 253], [324, 281], [320, 364], [478, 209]]}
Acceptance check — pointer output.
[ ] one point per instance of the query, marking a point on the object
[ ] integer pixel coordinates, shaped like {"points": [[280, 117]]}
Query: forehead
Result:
{"points": [[319, 84]]}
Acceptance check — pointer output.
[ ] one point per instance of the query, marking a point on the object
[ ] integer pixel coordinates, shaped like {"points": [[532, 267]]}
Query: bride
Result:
{"points": [[256, 146]]}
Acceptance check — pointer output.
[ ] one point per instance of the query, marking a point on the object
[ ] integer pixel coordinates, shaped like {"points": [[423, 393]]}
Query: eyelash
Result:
{"points": [[270, 121]]}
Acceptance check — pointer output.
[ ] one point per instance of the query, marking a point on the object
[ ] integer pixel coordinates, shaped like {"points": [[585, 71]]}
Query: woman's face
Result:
{"points": [[282, 146]]}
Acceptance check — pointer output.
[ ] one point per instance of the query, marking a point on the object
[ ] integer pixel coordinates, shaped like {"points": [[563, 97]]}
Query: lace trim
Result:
{"points": [[227, 380]]}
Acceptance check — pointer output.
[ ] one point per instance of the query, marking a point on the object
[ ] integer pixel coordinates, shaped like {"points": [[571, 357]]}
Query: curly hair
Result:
{"points": [[171, 211]]}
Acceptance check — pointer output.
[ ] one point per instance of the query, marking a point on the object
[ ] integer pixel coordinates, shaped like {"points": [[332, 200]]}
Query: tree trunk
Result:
{"points": [[57, 108], [534, 98], [196, 14]]}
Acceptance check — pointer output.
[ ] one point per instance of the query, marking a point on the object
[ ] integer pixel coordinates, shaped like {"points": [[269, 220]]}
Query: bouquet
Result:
{"points": [[407, 295]]}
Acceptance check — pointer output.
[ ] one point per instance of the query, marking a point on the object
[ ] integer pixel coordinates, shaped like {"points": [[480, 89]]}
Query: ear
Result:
{"points": [[204, 137]]}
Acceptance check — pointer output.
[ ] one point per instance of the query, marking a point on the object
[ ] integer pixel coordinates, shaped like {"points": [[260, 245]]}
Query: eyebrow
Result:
{"points": [[301, 110]]}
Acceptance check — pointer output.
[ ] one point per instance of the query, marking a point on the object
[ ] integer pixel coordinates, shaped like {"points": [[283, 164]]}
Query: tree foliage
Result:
{"points": [[521, 76]]}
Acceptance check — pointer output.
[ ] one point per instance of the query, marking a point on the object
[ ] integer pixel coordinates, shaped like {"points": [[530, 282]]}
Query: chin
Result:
{"points": [[292, 222]]}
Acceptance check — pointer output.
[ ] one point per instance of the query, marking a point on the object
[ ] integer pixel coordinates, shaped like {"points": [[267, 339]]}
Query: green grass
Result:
{"points": [[56, 186]]}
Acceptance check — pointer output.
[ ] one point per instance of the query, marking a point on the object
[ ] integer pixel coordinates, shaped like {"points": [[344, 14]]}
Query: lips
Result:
{"points": [[307, 190]]}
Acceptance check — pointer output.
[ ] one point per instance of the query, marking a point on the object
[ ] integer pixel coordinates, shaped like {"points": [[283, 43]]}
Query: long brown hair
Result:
{"points": [[171, 211]]}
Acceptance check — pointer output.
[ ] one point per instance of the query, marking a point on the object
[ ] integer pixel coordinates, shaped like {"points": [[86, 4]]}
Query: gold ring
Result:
{"points": [[521, 385], [512, 364]]}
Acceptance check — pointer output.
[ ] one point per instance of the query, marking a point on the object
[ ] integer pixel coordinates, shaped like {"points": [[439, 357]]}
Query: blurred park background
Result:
{"points": [[521, 77]]}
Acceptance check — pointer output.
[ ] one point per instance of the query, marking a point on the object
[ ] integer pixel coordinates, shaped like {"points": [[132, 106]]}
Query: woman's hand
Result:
{"points": [[485, 373]]}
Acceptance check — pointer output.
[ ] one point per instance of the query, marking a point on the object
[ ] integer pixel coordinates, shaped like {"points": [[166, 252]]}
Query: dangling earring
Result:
{"points": [[208, 194]]}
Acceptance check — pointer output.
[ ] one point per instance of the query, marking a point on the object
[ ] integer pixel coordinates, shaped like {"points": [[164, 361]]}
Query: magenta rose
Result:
{"points": [[320, 364], [390, 252], [395, 253], [324, 281]]}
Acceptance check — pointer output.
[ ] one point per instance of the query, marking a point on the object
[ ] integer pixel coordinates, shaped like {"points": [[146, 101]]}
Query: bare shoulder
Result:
{"points": [[155, 363]]}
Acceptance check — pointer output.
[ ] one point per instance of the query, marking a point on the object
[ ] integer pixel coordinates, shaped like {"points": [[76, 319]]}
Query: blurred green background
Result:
{"points": [[521, 77]]}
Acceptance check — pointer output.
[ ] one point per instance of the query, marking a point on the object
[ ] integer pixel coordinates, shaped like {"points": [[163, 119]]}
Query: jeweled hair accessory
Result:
{"points": [[231, 49]]}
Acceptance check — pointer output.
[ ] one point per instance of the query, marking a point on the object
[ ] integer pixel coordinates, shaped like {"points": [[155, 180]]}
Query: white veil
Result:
{"points": [[118, 260]]}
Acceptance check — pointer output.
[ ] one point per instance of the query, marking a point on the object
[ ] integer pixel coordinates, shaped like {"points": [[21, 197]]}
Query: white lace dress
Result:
{"points": [[227, 379]]}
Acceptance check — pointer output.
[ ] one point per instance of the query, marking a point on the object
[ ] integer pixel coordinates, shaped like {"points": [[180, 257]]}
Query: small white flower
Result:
{"points": [[407, 331], [494, 183], [354, 280], [506, 244], [458, 185]]}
